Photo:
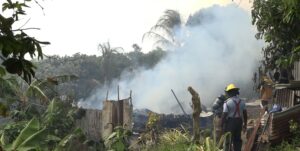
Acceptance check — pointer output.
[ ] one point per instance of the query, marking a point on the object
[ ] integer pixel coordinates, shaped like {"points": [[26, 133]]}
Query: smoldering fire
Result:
{"points": [[218, 49]]}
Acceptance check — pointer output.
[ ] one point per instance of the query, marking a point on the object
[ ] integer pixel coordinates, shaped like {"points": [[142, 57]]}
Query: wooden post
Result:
{"points": [[196, 113], [106, 96], [118, 107], [130, 97], [179, 103], [118, 92]]}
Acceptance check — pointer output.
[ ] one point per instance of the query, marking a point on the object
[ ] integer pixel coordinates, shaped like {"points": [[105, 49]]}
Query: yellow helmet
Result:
{"points": [[231, 87]]}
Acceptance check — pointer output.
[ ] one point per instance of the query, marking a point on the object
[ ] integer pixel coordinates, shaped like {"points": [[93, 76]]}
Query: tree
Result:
{"points": [[15, 43], [277, 22], [153, 57], [112, 62], [163, 30]]}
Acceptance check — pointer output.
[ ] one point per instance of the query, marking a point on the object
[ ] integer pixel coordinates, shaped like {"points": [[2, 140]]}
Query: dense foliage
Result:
{"points": [[95, 71], [15, 44], [50, 128], [277, 22]]}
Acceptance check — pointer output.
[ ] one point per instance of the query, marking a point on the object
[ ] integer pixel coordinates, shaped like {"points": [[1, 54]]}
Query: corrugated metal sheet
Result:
{"points": [[296, 74], [279, 127], [296, 71], [284, 97]]}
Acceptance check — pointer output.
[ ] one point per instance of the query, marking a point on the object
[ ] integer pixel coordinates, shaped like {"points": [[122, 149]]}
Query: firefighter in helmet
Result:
{"points": [[234, 117]]}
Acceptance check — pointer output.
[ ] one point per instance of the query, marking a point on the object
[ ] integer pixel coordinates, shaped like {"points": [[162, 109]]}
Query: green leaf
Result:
{"points": [[31, 128], [1, 46], [2, 71], [296, 49], [65, 142], [39, 50], [53, 138], [32, 141], [36, 92], [119, 146]]}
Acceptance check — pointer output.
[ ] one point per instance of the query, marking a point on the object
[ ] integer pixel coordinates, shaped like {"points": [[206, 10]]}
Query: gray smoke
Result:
{"points": [[219, 48]]}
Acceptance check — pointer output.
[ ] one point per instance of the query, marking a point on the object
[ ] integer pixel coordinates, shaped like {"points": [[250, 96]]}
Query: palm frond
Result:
{"points": [[106, 49], [163, 30], [170, 19], [156, 36]]}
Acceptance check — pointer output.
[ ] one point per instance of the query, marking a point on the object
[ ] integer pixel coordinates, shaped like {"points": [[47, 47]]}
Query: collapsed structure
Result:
{"points": [[274, 127]]}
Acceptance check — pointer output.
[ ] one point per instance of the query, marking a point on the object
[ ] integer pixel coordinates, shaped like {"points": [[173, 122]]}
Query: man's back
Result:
{"points": [[234, 106]]}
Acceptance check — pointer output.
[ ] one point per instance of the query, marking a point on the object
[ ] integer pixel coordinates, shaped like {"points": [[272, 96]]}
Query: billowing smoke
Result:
{"points": [[216, 50]]}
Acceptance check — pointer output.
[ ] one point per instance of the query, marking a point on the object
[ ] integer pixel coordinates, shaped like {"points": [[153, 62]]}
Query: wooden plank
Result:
{"points": [[251, 140], [91, 124]]}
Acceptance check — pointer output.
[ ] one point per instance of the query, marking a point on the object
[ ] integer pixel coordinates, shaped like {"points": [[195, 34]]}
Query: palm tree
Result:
{"points": [[108, 53], [163, 30]]}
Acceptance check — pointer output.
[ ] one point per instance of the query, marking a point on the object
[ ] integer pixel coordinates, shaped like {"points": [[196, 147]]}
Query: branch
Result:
{"points": [[24, 23], [26, 29], [39, 5]]}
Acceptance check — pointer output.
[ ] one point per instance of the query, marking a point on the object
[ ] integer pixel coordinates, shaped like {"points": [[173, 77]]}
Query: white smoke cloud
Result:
{"points": [[219, 51]]}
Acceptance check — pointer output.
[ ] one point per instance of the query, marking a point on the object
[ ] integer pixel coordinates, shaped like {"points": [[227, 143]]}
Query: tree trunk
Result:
{"points": [[196, 114]]}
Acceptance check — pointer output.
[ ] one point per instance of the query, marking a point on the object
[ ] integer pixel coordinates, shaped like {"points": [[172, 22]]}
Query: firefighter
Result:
{"points": [[234, 117], [217, 109]]}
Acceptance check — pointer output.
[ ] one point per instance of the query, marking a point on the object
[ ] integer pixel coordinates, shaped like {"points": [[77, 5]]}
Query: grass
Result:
{"points": [[293, 145], [176, 140]]}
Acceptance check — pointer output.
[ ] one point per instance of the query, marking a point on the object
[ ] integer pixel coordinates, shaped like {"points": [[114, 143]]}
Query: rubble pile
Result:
{"points": [[168, 121]]}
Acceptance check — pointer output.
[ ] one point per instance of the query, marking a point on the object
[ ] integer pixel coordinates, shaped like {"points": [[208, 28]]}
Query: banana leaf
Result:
{"points": [[30, 137]]}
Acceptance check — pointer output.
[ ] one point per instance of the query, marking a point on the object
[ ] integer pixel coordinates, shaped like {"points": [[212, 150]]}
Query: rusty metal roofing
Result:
{"points": [[279, 127]]}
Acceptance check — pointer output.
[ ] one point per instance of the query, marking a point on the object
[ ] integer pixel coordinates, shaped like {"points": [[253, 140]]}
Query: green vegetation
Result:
{"points": [[181, 140], [95, 71], [15, 43], [36, 96], [293, 143], [277, 22], [118, 140], [47, 129]]}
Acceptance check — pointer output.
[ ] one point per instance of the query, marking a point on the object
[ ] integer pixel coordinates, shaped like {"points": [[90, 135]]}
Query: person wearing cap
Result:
{"points": [[234, 117]]}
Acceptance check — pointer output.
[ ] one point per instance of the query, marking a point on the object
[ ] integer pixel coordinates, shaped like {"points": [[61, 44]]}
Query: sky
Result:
{"points": [[74, 26]]}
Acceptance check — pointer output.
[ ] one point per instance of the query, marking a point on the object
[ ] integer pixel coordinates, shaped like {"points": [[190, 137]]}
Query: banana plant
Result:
{"points": [[70, 142], [55, 123], [39, 87], [38, 92], [118, 140], [30, 138]]}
